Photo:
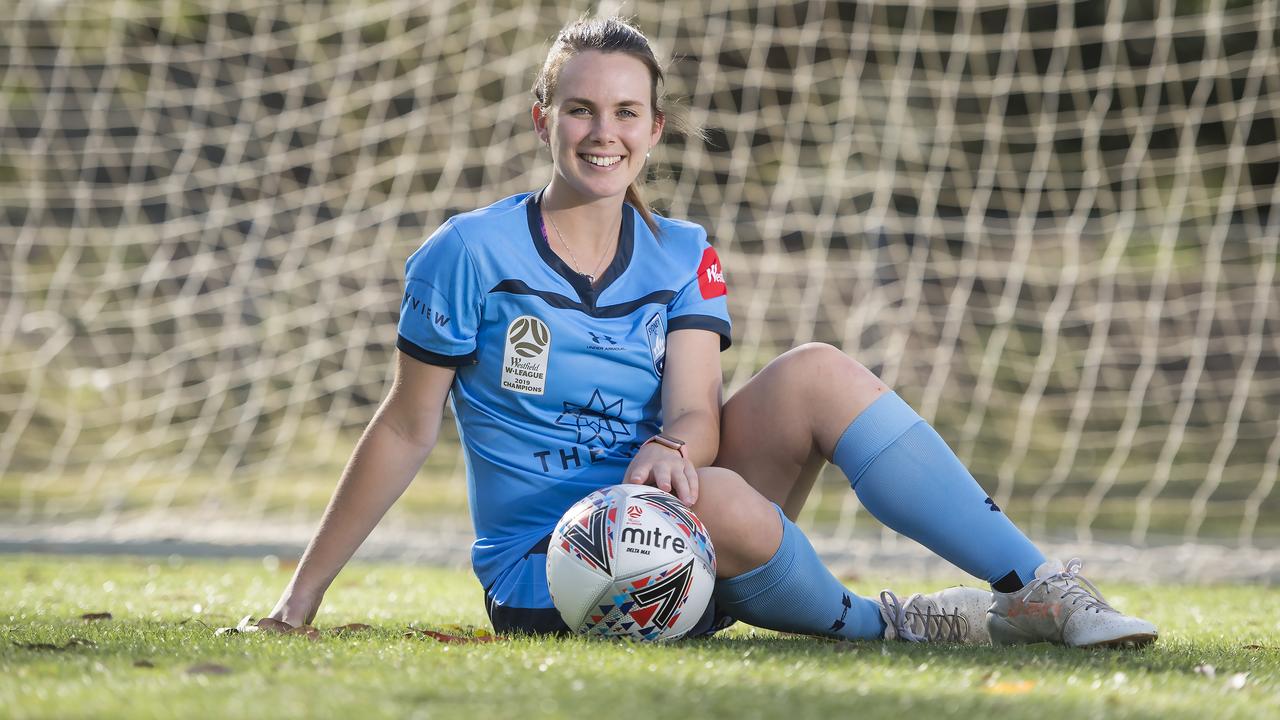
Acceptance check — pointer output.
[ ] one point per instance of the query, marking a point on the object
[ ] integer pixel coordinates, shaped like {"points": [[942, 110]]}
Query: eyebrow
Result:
{"points": [[584, 101]]}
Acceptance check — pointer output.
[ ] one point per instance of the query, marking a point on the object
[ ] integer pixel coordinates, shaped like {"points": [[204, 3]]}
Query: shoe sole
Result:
{"points": [[1002, 633], [1137, 640]]}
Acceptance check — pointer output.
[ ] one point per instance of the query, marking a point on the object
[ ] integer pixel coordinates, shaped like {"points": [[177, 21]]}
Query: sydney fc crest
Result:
{"points": [[657, 336]]}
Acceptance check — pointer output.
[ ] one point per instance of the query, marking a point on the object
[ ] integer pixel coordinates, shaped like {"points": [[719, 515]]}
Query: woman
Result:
{"points": [[578, 336]]}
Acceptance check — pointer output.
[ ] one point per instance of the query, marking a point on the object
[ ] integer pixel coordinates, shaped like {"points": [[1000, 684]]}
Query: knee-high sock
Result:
{"points": [[909, 479], [794, 592]]}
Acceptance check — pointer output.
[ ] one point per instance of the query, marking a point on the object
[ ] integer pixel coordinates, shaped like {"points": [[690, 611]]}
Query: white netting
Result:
{"points": [[1051, 225]]}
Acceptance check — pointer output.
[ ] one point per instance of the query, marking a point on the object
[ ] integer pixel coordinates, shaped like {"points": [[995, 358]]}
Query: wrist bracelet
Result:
{"points": [[670, 442]]}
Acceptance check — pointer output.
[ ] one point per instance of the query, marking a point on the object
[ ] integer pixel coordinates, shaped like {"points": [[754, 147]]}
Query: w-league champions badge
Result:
{"points": [[524, 363]]}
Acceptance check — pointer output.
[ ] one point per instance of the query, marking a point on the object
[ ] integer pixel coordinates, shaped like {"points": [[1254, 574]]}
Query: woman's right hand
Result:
{"points": [[294, 609]]}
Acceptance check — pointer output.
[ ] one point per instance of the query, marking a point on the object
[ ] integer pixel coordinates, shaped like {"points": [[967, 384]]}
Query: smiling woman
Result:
{"points": [[591, 359], [598, 112]]}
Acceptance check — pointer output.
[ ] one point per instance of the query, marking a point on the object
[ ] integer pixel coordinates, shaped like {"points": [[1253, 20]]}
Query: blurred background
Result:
{"points": [[1051, 225]]}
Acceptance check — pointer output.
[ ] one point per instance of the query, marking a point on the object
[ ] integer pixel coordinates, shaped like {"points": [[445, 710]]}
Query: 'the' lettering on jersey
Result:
{"points": [[524, 364]]}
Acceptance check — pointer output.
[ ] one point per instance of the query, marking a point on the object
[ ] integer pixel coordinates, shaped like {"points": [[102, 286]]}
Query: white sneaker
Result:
{"points": [[1060, 606], [955, 615]]}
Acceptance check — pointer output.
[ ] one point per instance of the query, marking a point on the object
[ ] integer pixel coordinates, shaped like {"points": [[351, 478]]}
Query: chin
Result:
{"points": [[598, 192]]}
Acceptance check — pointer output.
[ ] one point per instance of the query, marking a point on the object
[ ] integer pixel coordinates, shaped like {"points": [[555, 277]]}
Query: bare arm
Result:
{"points": [[691, 395], [386, 459]]}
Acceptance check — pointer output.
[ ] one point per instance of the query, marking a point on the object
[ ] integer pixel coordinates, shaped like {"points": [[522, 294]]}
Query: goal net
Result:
{"points": [[1051, 226]]}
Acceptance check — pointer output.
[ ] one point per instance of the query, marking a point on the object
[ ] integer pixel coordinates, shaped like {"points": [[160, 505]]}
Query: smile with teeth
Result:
{"points": [[600, 160]]}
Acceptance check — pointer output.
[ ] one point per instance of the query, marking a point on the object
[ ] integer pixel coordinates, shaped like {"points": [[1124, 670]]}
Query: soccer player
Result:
{"points": [[577, 333]]}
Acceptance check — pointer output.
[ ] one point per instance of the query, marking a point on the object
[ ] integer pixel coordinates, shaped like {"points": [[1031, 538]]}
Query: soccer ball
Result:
{"points": [[630, 561]]}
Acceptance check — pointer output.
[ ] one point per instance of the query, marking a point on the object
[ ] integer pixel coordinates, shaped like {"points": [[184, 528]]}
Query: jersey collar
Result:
{"points": [[621, 259]]}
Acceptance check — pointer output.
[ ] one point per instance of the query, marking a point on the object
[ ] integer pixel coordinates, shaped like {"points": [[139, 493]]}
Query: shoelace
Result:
{"points": [[939, 626], [1069, 583]]}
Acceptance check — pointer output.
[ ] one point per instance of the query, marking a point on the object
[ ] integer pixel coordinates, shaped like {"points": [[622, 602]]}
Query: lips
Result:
{"points": [[601, 160]]}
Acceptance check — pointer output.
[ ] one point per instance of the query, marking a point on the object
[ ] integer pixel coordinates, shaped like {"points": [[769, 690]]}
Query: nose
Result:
{"points": [[603, 131]]}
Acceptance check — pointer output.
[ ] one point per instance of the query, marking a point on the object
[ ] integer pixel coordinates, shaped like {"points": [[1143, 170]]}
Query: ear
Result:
{"points": [[659, 123], [541, 123]]}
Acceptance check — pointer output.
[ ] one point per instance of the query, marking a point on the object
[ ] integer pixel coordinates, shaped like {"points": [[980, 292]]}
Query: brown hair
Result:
{"points": [[607, 35]]}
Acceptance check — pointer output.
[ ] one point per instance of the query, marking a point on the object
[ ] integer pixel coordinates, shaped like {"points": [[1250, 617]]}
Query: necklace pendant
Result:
{"points": [[590, 278]]}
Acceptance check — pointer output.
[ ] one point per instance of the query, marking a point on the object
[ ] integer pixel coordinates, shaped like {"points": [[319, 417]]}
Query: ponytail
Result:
{"points": [[636, 199]]}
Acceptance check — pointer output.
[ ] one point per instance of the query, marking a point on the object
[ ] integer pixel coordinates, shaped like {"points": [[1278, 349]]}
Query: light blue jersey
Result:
{"points": [[558, 383]]}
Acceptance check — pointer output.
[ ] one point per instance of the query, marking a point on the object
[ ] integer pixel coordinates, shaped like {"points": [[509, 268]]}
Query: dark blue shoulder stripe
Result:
{"points": [[421, 354], [561, 302], [702, 322]]}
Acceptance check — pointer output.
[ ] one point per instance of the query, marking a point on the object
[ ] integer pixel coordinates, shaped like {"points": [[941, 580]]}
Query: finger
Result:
{"points": [[662, 478], [638, 475], [693, 482], [680, 486]]}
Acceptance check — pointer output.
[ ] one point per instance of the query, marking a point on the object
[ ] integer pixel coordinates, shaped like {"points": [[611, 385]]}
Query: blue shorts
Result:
{"points": [[507, 620]]}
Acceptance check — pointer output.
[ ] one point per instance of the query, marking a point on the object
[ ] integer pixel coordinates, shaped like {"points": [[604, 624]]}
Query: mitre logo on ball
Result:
{"points": [[630, 561]]}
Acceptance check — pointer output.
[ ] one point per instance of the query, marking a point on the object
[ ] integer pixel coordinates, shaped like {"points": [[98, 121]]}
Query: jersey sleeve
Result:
{"points": [[701, 302], [441, 308]]}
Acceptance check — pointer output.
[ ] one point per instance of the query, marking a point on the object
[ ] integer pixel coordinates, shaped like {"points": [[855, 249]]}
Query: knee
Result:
{"points": [[823, 367], [743, 525]]}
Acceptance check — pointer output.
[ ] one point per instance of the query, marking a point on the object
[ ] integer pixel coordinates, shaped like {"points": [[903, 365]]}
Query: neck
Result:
{"points": [[565, 203], [590, 227]]}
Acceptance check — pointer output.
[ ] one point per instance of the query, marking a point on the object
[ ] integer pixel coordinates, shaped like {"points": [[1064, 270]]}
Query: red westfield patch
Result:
{"points": [[711, 275]]}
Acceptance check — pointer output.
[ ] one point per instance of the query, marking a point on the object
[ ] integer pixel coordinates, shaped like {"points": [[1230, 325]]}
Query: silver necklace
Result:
{"points": [[591, 277]]}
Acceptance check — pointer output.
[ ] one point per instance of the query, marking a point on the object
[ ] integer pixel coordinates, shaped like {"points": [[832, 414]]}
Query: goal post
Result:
{"points": [[1050, 225]]}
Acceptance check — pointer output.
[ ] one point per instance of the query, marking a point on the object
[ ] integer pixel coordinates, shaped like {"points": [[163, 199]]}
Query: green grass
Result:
{"points": [[139, 664]]}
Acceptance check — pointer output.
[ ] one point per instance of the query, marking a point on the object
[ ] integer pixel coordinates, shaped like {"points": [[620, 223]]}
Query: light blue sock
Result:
{"points": [[907, 477], [794, 592]]}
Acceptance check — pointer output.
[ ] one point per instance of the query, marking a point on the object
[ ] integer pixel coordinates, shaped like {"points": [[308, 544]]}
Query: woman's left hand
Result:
{"points": [[666, 470]]}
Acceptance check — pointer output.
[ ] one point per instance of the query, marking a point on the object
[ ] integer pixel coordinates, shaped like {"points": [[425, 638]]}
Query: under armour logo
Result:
{"points": [[992, 503], [597, 339], [835, 626]]}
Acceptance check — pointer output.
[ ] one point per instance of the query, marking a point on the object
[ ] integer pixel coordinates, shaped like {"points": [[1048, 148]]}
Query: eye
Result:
{"points": [[580, 111], [628, 113]]}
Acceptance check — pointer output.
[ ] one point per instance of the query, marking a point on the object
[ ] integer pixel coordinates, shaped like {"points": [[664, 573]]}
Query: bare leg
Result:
{"points": [[744, 527], [779, 429], [767, 573], [815, 404]]}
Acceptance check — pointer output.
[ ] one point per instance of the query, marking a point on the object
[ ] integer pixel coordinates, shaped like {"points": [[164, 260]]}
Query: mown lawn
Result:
{"points": [[158, 655]]}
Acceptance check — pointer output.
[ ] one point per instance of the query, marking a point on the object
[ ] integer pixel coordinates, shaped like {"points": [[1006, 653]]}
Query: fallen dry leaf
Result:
{"points": [[467, 631], [304, 630], [143, 664], [350, 628], [1254, 646], [96, 616], [1014, 687], [245, 625], [273, 625], [208, 669], [71, 643], [447, 638]]}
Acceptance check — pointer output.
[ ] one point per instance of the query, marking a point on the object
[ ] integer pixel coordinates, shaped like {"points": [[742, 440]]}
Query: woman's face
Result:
{"points": [[600, 124]]}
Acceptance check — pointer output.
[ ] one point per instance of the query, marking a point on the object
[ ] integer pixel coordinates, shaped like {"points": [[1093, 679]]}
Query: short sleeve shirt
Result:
{"points": [[558, 383]]}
